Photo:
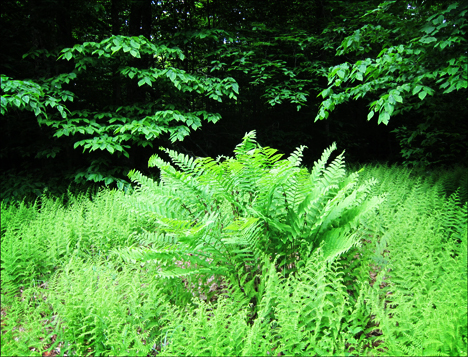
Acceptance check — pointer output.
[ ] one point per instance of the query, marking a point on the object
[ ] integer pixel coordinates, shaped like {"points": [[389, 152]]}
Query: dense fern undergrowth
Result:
{"points": [[245, 255]]}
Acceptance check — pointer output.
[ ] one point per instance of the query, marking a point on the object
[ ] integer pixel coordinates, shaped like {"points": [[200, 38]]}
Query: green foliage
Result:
{"points": [[420, 56], [36, 240], [313, 310], [224, 216], [120, 77], [98, 306], [433, 142], [400, 289], [112, 126], [262, 56], [31, 96], [419, 297], [305, 314]]}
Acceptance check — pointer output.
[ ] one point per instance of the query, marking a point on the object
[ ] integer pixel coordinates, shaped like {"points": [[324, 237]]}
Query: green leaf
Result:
{"points": [[426, 39], [62, 112], [452, 6], [428, 28], [416, 89], [134, 44], [384, 118], [444, 44], [141, 82], [452, 70], [389, 107], [438, 20], [171, 75], [422, 95]]}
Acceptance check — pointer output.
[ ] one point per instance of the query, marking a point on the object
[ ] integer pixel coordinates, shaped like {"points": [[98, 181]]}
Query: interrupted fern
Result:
{"points": [[226, 215]]}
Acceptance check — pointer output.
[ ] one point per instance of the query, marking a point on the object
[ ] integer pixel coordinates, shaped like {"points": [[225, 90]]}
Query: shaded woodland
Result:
{"points": [[91, 89]]}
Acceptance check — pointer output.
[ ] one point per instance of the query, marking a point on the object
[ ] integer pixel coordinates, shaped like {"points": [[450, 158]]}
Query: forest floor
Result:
{"points": [[401, 290]]}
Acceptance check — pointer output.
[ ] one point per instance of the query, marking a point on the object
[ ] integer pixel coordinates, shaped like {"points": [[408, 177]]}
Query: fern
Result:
{"points": [[419, 297], [225, 216], [306, 314], [40, 238], [215, 259]]}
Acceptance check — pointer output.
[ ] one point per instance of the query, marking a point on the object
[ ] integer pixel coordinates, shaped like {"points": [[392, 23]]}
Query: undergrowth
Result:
{"points": [[248, 255]]}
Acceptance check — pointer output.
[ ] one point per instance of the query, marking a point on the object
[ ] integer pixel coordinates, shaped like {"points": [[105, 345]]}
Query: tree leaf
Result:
{"points": [[426, 39], [428, 28], [384, 118], [416, 89]]}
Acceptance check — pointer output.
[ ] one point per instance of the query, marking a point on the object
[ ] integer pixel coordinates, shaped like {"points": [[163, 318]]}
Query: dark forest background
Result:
{"points": [[91, 89]]}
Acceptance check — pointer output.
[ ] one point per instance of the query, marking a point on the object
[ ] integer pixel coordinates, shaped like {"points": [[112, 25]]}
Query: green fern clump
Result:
{"points": [[94, 307], [207, 330], [423, 311], [224, 216], [313, 311], [26, 324], [419, 253], [107, 309], [38, 239], [306, 314], [243, 255]]}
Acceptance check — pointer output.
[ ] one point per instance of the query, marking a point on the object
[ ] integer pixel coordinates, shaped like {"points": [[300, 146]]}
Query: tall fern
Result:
{"points": [[224, 216]]}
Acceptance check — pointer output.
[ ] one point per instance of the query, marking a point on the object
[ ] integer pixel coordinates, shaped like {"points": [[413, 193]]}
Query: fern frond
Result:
{"points": [[311, 308], [249, 143], [454, 215], [333, 174], [156, 161], [319, 165], [156, 239], [187, 163], [296, 156], [144, 181]]}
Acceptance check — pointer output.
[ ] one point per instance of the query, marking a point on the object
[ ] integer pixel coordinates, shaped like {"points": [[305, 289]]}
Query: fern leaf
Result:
{"points": [[319, 165]]}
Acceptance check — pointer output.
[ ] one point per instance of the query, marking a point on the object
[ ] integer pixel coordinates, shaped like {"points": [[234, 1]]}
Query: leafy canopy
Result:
{"points": [[420, 56], [113, 127]]}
